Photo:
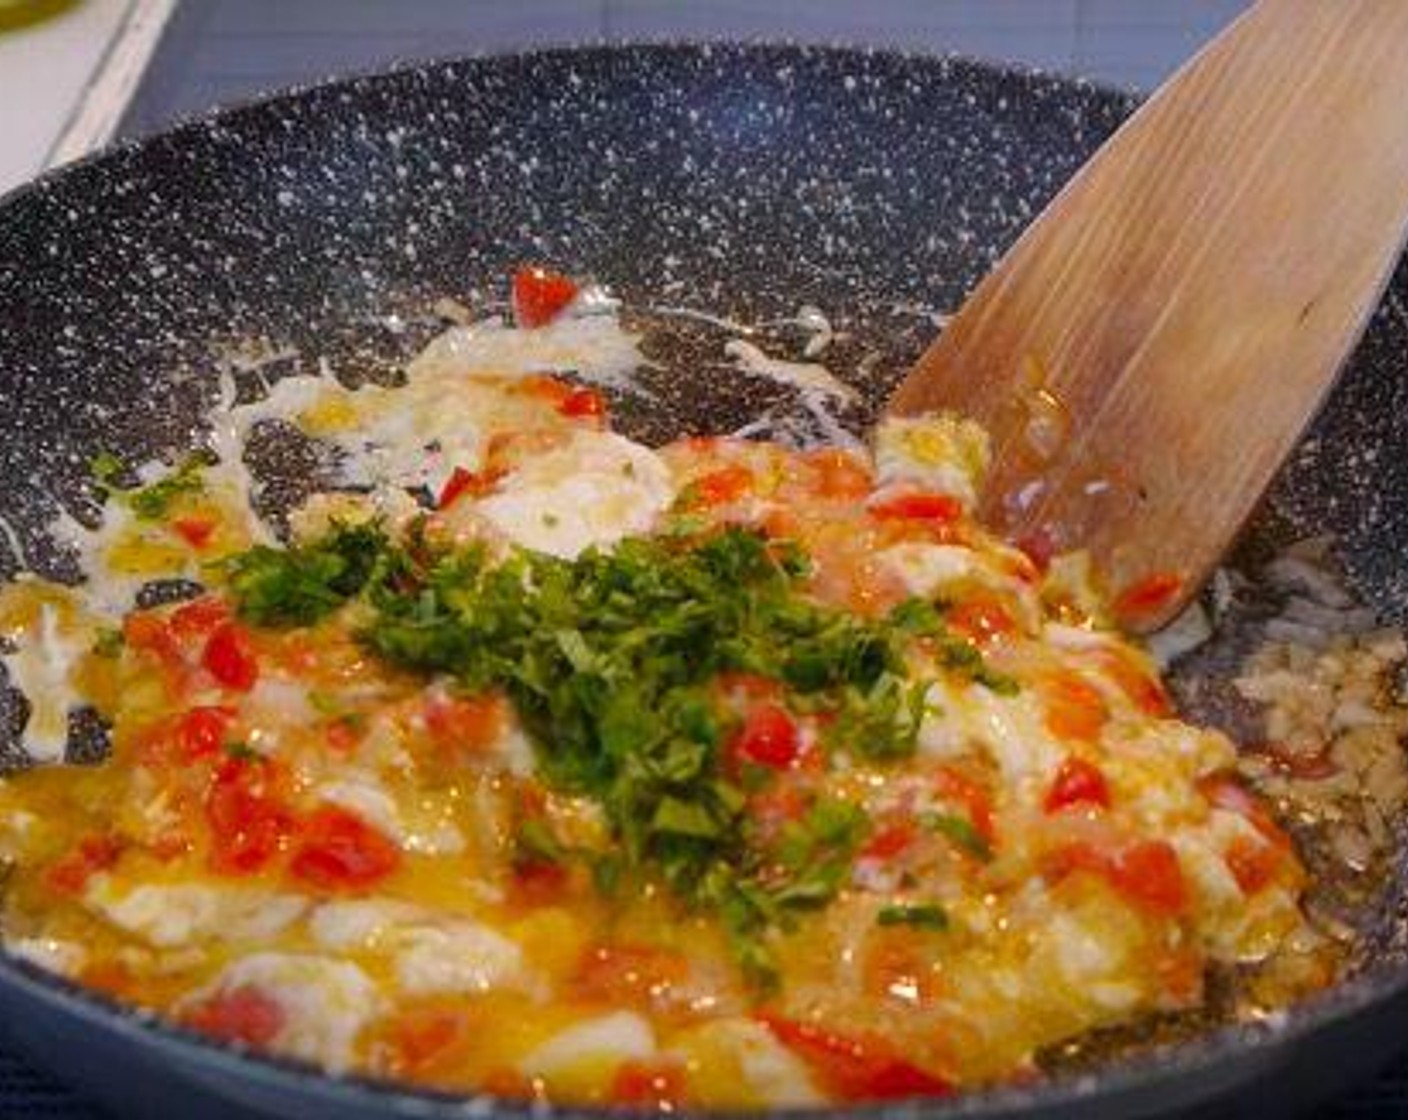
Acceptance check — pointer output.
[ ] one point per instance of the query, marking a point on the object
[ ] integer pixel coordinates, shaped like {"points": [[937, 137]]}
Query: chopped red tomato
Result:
{"points": [[942, 508], [249, 824], [1077, 782], [1228, 794], [890, 841], [339, 851], [658, 1085], [583, 403], [1074, 707], [1253, 863], [855, 1068], [198, 618], [722, 487], [1147, 872], [539, 882], [201, 731], [195, 531], [420, 1037], [70, 873], [540, 295], [981, 619], [466, 725], [229, 658], [954, 785], [1148, 596], [619, 972], [462, 483], [1144, 690], [768, 737], [244, 1014], [839, 474]]}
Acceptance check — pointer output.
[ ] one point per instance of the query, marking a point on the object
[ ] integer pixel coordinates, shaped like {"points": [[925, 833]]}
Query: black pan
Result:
{"points": [[741, 180]]}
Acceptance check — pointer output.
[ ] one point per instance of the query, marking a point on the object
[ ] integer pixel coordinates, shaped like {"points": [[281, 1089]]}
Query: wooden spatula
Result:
{"points": [[1147, 354]]}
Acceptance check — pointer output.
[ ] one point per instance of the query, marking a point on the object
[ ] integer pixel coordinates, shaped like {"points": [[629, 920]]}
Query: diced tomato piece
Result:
{"points": [[229, 658], [339, 851], [981, 619], [245, 1014], [768, 737], [70, 874], [201, 731], [1253, 864], [618, 972], [148, 631], [540, 295], [855, 1068], [248, 822], [1235, 798], [890, 841], [1144, 690], [1077, 782], [341, 736], [199, 618], [839, 474], [777, 804], [722, 487], [956, 786], [1074, 707], [1148, 596], [195, 531], [942, 508], [659, 1085], [1148, 874], [463, 483], [583, 403], [465, 725], [539, 882], [421, 1037]]}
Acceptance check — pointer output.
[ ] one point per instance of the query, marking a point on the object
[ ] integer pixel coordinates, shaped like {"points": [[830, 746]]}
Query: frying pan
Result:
{"points": [[743, 181]]}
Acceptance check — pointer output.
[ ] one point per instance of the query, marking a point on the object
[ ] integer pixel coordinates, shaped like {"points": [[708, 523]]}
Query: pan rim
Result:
{"points": [[1143, 1072]]}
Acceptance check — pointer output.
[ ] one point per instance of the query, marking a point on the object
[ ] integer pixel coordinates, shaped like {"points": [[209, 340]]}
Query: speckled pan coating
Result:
{"points": [[740, 180]]}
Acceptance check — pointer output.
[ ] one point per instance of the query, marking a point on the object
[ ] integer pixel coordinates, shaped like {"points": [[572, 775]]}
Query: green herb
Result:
{"points": [[609, 661], [108, 642], [961, 831], [536, 843], [924, 916], [242, 752], [298, 586], [961, 657]]}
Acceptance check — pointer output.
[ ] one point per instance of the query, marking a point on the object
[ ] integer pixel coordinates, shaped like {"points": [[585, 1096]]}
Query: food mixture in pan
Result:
{"points": [[539, 762]]}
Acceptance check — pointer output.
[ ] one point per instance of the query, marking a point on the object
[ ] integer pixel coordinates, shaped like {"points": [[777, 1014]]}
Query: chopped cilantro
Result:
{"points": [[609, 661], [108, 642], [920, 916], [961, 831], [298, 586], [242, 752], [151, 502]]}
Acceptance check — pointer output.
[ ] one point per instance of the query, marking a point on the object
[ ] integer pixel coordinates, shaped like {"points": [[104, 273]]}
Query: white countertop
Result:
{"points": [[64, 82]]}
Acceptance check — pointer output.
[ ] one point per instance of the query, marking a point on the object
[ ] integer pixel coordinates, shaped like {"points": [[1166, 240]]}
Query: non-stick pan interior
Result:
{"points": [[743, 182]]}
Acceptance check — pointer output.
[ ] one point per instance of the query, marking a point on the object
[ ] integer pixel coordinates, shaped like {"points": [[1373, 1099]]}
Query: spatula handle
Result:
{"points": [[1148, 353]]}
